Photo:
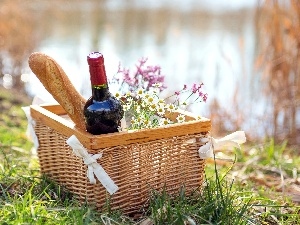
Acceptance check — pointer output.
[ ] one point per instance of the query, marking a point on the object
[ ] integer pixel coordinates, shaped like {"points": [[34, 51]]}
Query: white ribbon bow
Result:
{"points": [[231, 140], [93, 167]]}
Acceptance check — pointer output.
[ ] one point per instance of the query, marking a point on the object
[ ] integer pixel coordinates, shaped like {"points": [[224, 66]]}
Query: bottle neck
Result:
{"points": [[100, 92], [99, 84]]}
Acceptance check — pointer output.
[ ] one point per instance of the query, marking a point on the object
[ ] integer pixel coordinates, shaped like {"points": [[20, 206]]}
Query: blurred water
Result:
{"points": [[193, 41]]}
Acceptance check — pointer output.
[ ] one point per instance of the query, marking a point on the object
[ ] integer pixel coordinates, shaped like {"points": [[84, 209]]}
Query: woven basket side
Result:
{"points": [[58, 162], [137, 169], [140, 168]]}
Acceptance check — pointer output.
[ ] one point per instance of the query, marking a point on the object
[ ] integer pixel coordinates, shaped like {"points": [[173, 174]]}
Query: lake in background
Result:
{"points": [[212, 42]]}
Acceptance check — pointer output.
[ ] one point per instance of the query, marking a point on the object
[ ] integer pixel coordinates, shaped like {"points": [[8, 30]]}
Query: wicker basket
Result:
{"points": [[137, 162]]}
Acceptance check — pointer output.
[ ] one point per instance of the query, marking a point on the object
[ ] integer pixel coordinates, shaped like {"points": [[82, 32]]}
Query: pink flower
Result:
{"points": [[143, 60], [194, 88], [205, 97], [143, 77]]}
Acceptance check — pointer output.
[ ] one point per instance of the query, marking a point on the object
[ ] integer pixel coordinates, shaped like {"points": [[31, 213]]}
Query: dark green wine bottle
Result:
{"points": [[102, 112]]}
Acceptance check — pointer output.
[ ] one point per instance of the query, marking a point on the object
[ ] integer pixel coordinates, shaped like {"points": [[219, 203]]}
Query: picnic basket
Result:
{"points": [[138, 162]]}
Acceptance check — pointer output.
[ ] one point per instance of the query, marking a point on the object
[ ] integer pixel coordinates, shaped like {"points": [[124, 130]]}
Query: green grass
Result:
{"points": [[239, 193], [217, 203]]}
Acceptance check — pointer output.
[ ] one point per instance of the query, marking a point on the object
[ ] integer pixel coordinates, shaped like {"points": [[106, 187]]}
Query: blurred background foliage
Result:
{"points": [[17, 40], [278, 25], [175, 35]]}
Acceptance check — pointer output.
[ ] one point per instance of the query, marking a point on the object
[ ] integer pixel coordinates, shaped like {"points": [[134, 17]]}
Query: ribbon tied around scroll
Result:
{"points": [[94, 168]]}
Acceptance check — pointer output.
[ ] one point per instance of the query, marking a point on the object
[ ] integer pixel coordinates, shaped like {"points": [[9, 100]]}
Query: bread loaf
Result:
{"points": [[57, 83]]}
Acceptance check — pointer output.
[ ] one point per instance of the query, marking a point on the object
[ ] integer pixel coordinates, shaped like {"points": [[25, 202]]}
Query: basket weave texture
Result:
{"points": [[137, 166]]}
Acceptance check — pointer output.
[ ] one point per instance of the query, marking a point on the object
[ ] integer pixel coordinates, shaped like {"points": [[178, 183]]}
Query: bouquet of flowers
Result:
{"points": [[140, 94]]}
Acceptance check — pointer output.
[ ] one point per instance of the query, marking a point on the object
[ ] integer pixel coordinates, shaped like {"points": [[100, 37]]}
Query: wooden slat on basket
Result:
{"points": [[47, 114]]}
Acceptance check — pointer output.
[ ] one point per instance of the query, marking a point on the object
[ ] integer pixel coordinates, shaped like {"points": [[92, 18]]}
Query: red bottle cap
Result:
{"points": [[97, 69], [95, 59]]}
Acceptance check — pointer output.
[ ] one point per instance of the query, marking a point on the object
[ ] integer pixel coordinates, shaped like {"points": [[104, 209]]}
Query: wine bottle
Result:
{"points": [[102, 111]]}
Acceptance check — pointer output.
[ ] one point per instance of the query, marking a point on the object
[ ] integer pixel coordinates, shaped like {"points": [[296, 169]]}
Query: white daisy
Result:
{"points": [[180, 118], [126, 107], [140, 92], [118, 95], [129, 100], [133, 120], [137, 122], [153, 107], [170, 107], [147, 123], [161, 102], [160, 110], [150, 100], [164, 121]]}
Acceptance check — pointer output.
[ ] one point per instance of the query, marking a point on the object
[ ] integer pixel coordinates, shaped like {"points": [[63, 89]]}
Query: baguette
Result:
{"points": [[57, 83]]}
